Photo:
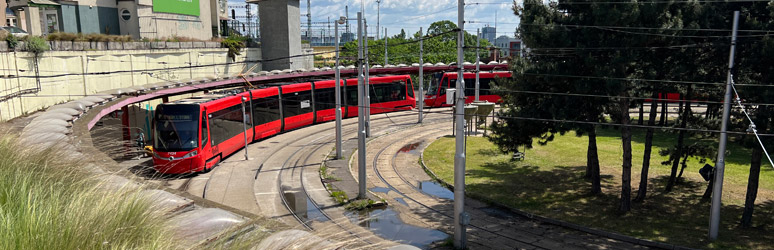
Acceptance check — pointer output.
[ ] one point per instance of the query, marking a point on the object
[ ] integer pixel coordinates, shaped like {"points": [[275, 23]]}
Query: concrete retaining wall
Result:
{"points": [[68, 75]]}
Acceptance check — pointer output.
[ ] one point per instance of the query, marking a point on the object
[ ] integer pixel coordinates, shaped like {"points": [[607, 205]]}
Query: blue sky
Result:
{"points": [[411, 14]]}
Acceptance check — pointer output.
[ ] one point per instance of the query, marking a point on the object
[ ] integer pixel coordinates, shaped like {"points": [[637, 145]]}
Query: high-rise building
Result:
{"points": [[489, 33]]}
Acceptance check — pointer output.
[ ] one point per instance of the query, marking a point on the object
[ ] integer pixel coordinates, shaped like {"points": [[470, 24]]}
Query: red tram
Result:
{"points": [[436, 93], [195, 134]]}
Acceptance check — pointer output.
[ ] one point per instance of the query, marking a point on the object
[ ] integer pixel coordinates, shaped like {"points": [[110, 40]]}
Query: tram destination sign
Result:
{"points": [[183, 7]]}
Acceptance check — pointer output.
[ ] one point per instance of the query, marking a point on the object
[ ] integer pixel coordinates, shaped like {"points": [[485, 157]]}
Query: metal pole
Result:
{"points": [[244, 124], [385, 48], [478, 58], [367, 80], [461, 218], [421, 73], [361, 133], [378, 9], [717, 188], [338, 93]]}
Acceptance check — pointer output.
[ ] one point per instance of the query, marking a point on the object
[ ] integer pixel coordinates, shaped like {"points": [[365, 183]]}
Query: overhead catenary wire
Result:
{"points": [[753, 129]]}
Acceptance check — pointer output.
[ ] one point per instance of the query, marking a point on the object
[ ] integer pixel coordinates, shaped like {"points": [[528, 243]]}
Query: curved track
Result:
{"points": [[275, 181], [490, 228]]}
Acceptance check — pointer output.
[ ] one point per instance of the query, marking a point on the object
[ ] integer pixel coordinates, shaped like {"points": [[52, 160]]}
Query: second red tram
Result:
{"points": [[436, 93]]}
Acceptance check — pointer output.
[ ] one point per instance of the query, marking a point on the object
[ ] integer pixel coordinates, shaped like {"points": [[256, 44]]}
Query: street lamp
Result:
{"points": [[341, 21]]}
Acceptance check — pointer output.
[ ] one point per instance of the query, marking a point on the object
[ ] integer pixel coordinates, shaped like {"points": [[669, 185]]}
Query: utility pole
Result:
{"points": [[378, 7], [244, 124], [338, 89], [249, 21], [309, 20], [367, 81], [361, 133], [421, 72], [461, 218], [720, 165], [478, 59], [385, 47]]}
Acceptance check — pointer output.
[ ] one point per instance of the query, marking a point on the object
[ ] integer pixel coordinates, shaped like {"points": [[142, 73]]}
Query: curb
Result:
{"points": [[539, 218]]}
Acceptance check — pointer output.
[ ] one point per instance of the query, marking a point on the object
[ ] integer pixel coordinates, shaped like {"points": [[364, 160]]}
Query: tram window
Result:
{"points": [[352, 95], [297, 103], [324, 98], [226, 123], [389, 92], [175, 127], [266, 110], [410, 88], [484, 86], [204, 129]]}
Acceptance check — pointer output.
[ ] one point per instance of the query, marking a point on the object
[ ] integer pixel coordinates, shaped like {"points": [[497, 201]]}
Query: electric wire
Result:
{"points": [[752, 124]]}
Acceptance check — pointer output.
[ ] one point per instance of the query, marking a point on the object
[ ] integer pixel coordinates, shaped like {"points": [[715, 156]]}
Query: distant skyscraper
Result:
{"points": [[489, 33]]}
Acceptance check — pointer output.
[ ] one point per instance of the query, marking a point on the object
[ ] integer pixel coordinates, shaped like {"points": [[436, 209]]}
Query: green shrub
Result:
{"points": [[37, 45], [48, 201], [234, 44], [12, 40]]}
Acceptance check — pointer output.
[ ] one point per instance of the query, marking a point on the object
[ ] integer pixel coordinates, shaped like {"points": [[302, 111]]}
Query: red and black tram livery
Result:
{"points": [[195, 134]]}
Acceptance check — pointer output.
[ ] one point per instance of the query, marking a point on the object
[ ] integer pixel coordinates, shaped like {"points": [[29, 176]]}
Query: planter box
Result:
{"points": [[173, 45], [4, 46], [62, 45], [212, 44], [158, 45], [80, 46], [186, 45], [198, 45], [20, 46], [115, 45], [98, 45]]}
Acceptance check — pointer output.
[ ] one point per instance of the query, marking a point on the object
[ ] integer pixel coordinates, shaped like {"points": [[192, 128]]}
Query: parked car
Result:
{"points": [[15, 31]]}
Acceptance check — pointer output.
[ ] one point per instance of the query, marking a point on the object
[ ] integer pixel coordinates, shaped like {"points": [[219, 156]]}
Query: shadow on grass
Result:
{"points": [[679, 217]]}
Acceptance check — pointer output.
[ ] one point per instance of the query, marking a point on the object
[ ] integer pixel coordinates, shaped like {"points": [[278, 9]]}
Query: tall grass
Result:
{"points": [[48, 201]]}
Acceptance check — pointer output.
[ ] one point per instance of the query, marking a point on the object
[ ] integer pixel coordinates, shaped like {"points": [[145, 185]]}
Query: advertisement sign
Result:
{"points": [[184, 7]]}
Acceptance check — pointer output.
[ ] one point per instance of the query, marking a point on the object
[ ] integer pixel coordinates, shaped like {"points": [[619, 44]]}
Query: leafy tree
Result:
{"points": [[405, 50]]}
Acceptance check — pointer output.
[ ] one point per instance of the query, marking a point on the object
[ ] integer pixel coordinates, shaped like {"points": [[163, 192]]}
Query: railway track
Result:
{"points": [[490, 227]]}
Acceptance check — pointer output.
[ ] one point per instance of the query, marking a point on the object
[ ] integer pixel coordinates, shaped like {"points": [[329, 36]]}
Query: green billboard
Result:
{"points": [[184, 7]]}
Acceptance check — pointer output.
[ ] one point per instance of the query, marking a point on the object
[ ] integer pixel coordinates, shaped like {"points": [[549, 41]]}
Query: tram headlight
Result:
{"points": [[191, 154]]}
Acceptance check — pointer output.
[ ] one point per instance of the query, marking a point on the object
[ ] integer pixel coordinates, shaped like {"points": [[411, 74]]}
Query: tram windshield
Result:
{"points": [[176, 127], [433, 88]]}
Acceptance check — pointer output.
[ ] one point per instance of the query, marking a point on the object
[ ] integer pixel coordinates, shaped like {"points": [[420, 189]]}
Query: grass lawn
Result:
{"points": [[550, 182]]}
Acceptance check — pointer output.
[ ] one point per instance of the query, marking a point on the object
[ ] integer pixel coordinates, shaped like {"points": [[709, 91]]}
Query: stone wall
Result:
{"points": [[67, 75]]}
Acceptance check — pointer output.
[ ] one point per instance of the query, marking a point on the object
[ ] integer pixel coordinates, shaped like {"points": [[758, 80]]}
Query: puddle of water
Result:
{"points": [[386, 223], [436, 190], [379, 190], [303, 206], [411, 149], [401, 201]]}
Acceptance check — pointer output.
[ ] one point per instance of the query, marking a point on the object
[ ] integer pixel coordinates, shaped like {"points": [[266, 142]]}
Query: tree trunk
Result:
{"points": [[642, 112], [593, 160], [680, 138], [589, 164], [626, 176], [643, 190], [755, 171], [684, 164]]}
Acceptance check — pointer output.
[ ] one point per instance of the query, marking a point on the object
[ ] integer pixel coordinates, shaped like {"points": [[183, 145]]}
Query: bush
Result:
{"points": [[12, 40], [234, 44], [79, 37], [49, 202], [37, 45]]}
